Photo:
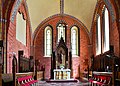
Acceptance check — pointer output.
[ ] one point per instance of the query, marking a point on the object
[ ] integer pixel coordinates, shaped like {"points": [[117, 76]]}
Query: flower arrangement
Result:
{"points": [[61, 66]]}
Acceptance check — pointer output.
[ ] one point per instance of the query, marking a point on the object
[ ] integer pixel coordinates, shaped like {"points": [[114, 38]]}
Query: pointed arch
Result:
{"points": [[61, 31], [98, 38], [48, 41], [10, 9], [106, 30], [74, 40]]}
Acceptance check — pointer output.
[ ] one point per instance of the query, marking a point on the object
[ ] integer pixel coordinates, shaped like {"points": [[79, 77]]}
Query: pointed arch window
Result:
{"points": [[61, 31], [20, 28], [98, 37], [106, 30], [48, 41], [74, 40]]}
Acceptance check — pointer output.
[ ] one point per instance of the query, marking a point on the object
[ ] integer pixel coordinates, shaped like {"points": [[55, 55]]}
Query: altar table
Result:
{"points": [[61, 74]]}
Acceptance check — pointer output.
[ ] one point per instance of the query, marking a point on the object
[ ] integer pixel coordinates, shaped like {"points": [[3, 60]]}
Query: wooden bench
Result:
{"points": [[26, 81], [101, 80]]}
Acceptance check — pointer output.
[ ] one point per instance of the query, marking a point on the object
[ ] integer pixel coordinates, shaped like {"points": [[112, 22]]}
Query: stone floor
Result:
{"points": [[79, 83]]}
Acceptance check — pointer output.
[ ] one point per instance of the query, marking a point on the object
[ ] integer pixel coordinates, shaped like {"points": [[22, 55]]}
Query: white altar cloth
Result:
{"points": [[61, 74]]}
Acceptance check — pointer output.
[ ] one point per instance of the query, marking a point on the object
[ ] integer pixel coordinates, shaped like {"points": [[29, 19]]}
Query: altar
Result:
{"points": [[61, 62], [61, 74]]}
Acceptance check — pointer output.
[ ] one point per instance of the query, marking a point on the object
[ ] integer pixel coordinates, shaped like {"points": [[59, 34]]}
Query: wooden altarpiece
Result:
{"points": [[60, 57]]}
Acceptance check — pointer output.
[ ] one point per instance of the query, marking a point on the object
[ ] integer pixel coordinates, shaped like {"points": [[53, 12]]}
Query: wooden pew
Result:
{"points": [[7, 79], [26, 81], [102, 80]]}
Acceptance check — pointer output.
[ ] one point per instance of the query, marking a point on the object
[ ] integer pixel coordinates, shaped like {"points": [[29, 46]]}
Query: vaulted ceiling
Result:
{"points": [[42, 9]]}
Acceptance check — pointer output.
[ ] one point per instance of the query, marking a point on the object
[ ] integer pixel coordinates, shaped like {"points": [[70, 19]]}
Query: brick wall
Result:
{"points": [[114, 31], [14, 45], [38, 42]]}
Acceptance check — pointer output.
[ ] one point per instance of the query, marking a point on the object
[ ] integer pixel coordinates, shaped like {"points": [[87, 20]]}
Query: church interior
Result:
{"points": [[59, 42]]}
